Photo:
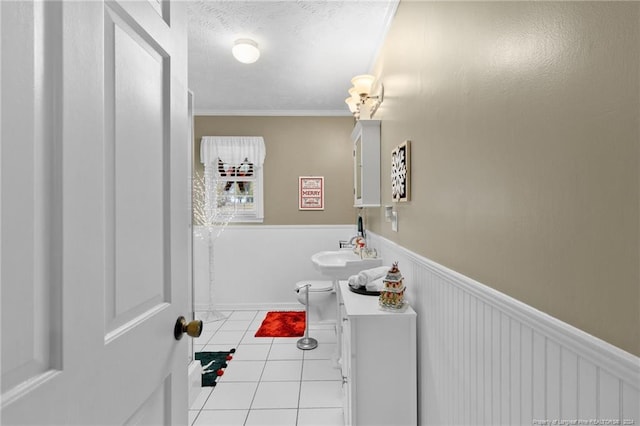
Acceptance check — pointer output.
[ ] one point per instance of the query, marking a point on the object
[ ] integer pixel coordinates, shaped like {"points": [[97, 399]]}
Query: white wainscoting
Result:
{"points": [[485, 358], [257, 266]]}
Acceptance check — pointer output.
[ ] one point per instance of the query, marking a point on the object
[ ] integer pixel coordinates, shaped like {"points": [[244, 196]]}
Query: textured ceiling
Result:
{"points": [[309, 52]]}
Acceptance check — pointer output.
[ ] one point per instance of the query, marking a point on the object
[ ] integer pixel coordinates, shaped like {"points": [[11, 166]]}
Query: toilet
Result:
{"points": [[322, 300]]}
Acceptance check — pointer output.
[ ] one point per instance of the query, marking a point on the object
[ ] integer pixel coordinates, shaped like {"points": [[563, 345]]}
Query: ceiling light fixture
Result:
{"points": [[361, 102], [245, 50]]}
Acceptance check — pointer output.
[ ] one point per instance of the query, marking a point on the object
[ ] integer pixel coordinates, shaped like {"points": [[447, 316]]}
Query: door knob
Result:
{"points": [[192, 328]]}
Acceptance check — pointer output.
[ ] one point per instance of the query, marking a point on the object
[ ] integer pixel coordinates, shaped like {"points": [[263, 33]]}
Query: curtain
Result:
{"points": [[232, 150]]}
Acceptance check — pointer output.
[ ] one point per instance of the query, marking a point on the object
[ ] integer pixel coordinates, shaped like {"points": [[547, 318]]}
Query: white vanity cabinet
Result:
{"points": [[378, 362], [366, 163]]}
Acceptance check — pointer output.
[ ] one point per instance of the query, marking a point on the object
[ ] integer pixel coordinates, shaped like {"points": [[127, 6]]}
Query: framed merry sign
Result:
{"points": [[311, 193]]}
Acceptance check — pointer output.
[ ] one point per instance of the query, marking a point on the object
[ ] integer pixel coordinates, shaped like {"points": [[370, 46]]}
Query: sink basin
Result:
{"points": [[341, 264]]}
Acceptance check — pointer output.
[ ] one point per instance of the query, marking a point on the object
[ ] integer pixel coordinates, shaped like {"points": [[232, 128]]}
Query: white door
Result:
{"points": [[94, 212]]}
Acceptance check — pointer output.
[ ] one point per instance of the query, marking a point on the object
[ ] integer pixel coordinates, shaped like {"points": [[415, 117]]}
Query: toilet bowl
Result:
{"points": [[322, 300]]}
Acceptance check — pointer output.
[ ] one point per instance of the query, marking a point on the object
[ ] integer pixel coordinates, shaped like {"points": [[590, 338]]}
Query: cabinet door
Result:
{"points": [[347, 378], [366, 163], [357, 170]]}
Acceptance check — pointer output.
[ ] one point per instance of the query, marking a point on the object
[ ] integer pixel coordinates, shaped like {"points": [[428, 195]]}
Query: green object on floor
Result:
{"points": [[213, 365]]}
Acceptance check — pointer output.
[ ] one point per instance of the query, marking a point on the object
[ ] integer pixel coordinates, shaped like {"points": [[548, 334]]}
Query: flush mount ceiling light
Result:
{"points": [[361, 102], [245, 50]]}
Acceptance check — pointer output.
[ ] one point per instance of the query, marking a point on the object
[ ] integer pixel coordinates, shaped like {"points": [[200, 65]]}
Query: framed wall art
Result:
{"points": [[400, 172], [311, 193]]}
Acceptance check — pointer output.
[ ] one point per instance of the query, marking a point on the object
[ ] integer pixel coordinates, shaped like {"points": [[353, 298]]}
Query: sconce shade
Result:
{"points": [[353, 107], [354, 95], [362, 103], [362, 83], [245, 51]]}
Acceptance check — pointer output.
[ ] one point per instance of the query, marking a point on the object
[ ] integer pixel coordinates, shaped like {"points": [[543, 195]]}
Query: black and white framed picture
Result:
{"points": [[400, 172]]}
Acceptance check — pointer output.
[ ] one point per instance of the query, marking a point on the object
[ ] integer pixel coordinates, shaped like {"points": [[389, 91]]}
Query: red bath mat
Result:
{"points": [[282, 324]]}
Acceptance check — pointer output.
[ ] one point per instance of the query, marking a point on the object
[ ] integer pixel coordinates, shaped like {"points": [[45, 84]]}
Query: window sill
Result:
{"points": [[246, 220]]}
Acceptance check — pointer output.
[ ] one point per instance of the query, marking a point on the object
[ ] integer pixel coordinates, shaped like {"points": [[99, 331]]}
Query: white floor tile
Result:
{"points": [[242, 371], [242, 315], [240, 325], [260, 316], [251, 352], [321, 394], [255, 324], [285, 417], [250, 339], [320, 369], [227, 337], [290, 351], [285, 340], [323, 351], [329, 325], [201, 398], [224, 347], [211, 321], [324, 336], [231, 395], [283, 370], [204, 338], [276, 395], [192, 416], [220, 314], [320, 417], [221, 417]]}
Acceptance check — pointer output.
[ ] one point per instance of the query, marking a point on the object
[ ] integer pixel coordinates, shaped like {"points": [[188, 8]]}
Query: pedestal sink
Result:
{"points": [[341, 264]]}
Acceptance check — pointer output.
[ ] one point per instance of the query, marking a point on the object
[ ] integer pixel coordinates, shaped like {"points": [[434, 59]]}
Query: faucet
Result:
{"points": [[360, 227], [358, 243], [353, 242]]}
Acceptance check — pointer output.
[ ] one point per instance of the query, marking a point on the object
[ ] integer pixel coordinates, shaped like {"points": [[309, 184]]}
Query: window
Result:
{"points": [[237, 190], [233, 177]]}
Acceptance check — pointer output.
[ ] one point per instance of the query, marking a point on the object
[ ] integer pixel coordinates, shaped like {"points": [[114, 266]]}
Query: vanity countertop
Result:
{"points": [[358, 305]]}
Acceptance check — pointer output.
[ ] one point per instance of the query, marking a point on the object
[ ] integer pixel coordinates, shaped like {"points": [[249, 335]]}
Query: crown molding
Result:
{"points": [[274, 113]]}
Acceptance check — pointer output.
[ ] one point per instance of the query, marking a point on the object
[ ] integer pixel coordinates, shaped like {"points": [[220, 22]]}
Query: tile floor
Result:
{"points": [[269, 381]]}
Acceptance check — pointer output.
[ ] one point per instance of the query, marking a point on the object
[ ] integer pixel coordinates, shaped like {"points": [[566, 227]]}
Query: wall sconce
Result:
{"points": [[361, 102], [245, 50]]}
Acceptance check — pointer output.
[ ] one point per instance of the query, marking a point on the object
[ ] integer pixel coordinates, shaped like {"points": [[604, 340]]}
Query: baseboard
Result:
{"points": [[195, 380], [253, 228], [251, 307]]}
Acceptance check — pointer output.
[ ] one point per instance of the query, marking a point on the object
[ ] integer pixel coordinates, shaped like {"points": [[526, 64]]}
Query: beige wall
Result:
{"points": [[296, 146], [525, 134]]}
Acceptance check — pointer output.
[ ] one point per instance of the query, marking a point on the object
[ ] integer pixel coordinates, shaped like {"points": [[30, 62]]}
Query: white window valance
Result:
{"points": [[232, 150]]}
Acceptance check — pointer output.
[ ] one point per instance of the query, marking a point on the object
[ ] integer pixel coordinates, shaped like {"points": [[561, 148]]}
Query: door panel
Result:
{"points": [[31, 302], [153, 411], [136, 172], [94, 212]]}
